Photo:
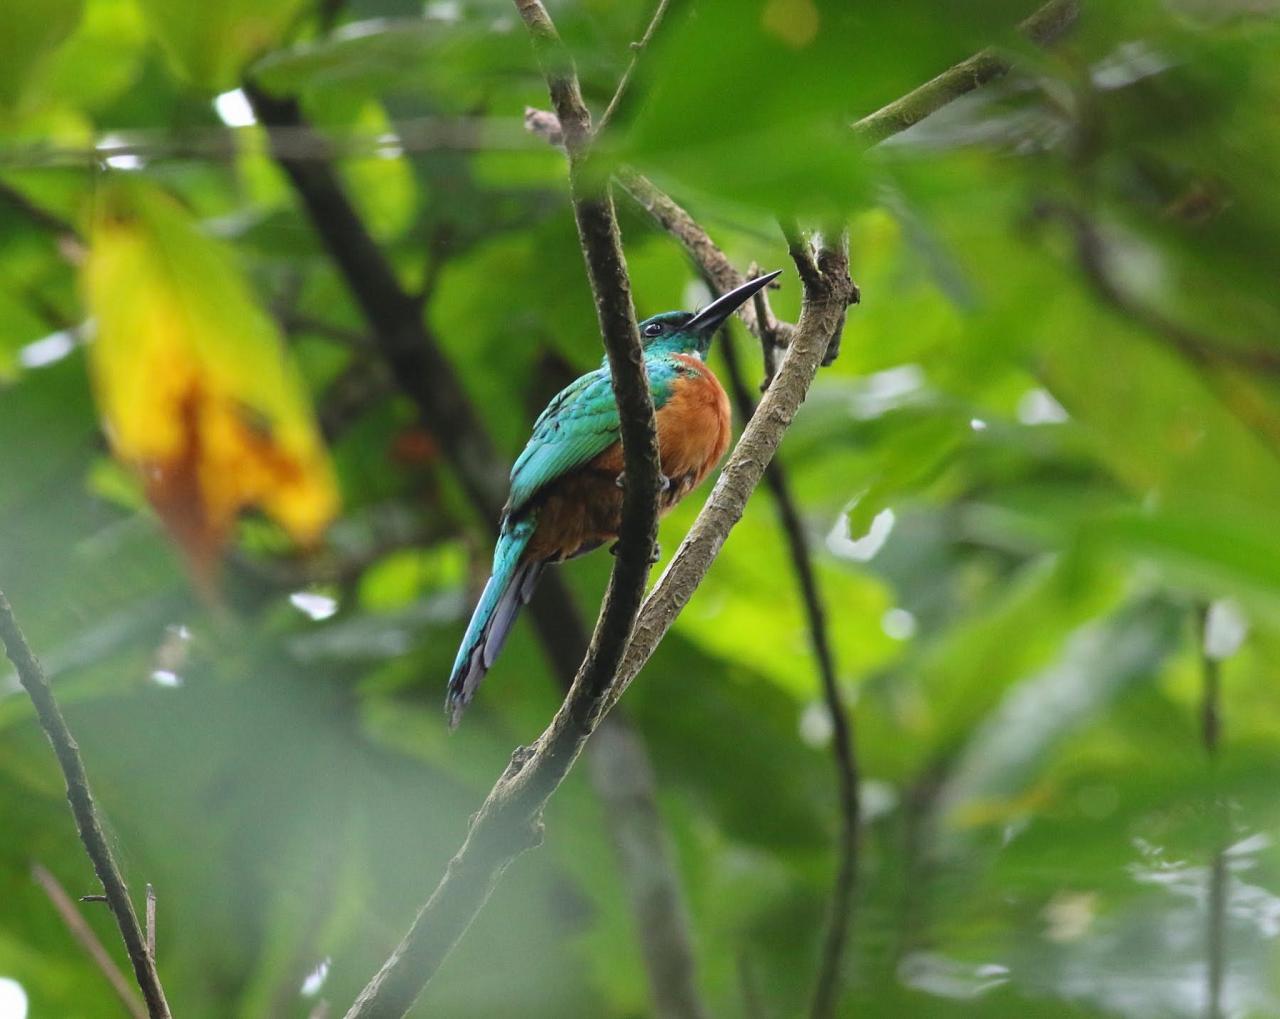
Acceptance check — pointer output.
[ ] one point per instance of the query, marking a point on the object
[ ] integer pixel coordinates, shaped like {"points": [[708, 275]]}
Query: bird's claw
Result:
{"points": [[664, 482], [655, 553]]}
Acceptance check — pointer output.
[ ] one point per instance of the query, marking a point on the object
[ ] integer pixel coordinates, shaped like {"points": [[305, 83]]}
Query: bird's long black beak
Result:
{"points": [[712, 317]]}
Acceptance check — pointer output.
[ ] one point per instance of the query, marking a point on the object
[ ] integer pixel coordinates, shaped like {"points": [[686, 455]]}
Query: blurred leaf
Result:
{"points": [[211, 44], [31, 34], [196, 392], [456, 60], [102, 57], [1097, 664]]}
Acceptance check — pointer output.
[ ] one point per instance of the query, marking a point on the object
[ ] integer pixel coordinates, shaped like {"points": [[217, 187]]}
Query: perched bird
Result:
{"points": [[566, 487]]}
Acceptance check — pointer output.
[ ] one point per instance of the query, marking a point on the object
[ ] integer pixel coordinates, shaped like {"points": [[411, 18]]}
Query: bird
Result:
{"points": [[566, 486]]}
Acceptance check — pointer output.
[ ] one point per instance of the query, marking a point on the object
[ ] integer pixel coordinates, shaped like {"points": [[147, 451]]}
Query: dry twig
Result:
{"points": [[34, 681], [89, 941]]}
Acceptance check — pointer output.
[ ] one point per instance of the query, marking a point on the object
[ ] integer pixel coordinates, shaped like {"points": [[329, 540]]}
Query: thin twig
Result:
{"points": [[625, 81], [223, 144], [89, 941], [1043, 27], [713, 264], [1216, 906], [801, 251], [151, 921], [33, 680], [844, 755]]}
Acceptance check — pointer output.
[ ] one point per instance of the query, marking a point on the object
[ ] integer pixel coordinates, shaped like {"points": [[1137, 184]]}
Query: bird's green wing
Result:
{"points": [[579, 424]]}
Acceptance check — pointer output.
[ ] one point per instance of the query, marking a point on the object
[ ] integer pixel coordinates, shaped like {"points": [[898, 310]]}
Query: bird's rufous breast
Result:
{"points": [[694, 428]]}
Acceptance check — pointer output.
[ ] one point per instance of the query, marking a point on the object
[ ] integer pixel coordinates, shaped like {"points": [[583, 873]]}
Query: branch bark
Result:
{"points": [[89, 941], [825, 301], [83, 809], [713, 263]]}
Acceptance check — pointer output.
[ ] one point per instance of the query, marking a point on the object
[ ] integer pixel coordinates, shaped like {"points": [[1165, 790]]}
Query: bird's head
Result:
{"points": [[683, 332]]}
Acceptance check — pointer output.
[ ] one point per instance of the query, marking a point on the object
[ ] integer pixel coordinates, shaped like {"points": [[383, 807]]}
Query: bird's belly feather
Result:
{"points": [[584, 507]]}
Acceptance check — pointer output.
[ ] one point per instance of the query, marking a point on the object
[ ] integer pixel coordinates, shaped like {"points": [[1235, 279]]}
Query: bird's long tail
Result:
{"points": [[509, 588]]}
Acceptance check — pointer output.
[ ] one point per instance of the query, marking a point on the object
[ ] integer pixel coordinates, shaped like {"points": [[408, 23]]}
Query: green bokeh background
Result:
{"points": [[1024, 485]]}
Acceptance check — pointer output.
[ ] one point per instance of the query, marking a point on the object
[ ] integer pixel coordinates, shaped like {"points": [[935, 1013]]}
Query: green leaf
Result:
{"points": [[210, 45]]}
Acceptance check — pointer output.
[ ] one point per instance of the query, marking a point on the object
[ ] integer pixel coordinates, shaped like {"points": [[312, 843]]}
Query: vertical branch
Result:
{"points": [[611, 288], [1216, 905], [419, 367], [83, 809], [826, 988]]}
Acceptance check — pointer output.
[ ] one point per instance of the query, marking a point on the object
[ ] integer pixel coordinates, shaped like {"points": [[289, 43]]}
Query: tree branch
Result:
{"points": [[713, 264], [611, 288], [510, 819], [842, 745], [421, 370], [1043, 27], [89, 941], [824, 304], [636, 49], [508, 823], [34, 681]]}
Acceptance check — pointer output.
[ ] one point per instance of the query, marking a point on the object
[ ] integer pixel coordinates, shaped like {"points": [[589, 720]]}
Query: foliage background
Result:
{"points": [[1050, 449]]}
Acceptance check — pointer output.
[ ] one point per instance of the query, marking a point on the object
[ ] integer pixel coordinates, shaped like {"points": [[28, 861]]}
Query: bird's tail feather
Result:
{"points": [[509, 588]]}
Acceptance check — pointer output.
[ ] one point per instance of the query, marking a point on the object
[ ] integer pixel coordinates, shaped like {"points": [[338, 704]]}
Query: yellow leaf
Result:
{"points": [[193, 382]]}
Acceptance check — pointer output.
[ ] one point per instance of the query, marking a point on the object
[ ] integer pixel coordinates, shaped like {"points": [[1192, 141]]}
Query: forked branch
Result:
{"points": [[509, 820]]}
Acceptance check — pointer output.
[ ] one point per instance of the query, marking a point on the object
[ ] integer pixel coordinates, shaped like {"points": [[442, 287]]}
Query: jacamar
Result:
{"points": [[566, 487]]}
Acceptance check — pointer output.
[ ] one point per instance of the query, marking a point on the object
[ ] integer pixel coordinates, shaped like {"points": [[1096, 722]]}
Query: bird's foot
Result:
{"points": [[664, 482], [655, 553]]}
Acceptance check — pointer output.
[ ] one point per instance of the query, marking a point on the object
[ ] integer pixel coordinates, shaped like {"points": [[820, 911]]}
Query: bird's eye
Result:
{"points": [[653, 329]]}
